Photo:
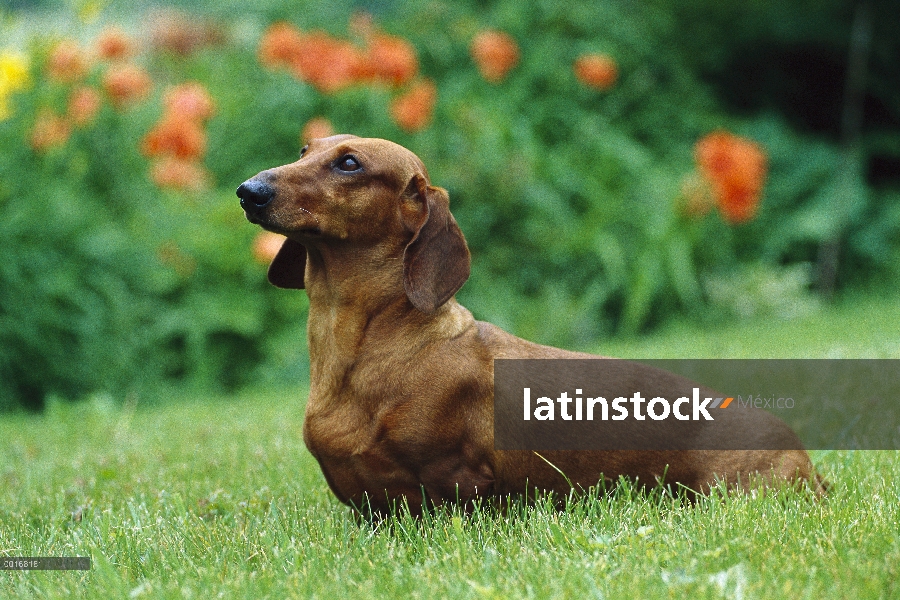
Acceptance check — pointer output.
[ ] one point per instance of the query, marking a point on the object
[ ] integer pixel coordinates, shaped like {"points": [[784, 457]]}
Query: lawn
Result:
{"points": [[205, 497]]}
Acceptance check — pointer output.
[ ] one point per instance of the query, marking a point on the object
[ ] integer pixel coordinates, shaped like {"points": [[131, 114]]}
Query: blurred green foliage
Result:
{"points": [[570, 198]]}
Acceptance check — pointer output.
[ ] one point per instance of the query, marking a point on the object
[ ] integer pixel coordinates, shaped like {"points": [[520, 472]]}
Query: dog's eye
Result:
{"points": [[348, 164], [303, 150]]}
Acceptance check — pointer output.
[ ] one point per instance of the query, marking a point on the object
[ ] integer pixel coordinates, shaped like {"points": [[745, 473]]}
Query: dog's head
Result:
{"points": [[362, 194]]}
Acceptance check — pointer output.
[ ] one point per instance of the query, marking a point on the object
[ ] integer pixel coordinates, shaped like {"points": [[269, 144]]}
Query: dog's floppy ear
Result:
{"points": [[289, 266], [436, 260]]}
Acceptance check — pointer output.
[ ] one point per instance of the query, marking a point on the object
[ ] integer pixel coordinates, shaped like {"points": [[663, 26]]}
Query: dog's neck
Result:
{"points": [[351, 279], [358, 306]]}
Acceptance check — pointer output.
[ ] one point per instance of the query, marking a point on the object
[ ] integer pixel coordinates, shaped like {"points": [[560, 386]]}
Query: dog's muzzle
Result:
{"points": [[255, 195]]}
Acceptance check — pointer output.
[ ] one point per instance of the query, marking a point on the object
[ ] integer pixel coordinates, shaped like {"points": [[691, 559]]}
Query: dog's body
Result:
{"points": [[401, 396]]}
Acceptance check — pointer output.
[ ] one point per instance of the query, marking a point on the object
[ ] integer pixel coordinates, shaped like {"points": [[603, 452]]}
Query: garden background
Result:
{"points": [[639, 179], [614, 166]]}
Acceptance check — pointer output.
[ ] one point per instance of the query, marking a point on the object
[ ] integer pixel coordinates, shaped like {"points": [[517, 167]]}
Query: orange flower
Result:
{"points": [[84, 103], [392, 59], [67, 63], [596, 70], [331, 64], [126, 84], [266, 246], [179, 139], [327, 63], [113, 44], [735, 169], [280, 46], [49, 131], [412, 111], [317, 127], [178, 174], [189, 101], [495, 54], [175, 136]]}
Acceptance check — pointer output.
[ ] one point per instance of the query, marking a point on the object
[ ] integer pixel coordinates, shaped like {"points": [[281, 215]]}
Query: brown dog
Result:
{"points": [[400, 403]]}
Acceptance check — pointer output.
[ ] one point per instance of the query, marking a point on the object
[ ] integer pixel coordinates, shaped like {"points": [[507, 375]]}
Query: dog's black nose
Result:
{"points": [[255, 194]]}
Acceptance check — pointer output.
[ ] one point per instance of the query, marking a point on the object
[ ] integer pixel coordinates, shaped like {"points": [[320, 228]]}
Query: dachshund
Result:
{"points": [[400, 403]]}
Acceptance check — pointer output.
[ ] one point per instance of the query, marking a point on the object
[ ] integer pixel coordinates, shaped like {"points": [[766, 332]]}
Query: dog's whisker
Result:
{"points": [[315, 218]]}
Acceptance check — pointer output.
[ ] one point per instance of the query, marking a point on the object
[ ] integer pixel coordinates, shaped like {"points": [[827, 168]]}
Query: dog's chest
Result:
{"points": [[354, 455], [338, 433]]}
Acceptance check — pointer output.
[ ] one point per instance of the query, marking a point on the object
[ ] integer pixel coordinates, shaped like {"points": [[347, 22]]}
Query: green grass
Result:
{"points": [[858, 326], [211, 497]]}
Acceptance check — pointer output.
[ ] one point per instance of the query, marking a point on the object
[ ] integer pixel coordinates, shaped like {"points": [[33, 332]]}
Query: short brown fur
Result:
{"points": [[401, 395]]}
